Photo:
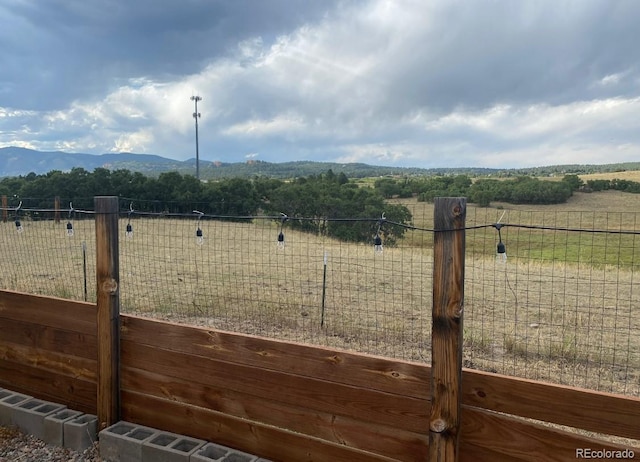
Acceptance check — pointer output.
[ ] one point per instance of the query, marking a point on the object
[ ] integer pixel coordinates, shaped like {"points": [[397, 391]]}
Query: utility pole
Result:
{"points": [[196, 115]]}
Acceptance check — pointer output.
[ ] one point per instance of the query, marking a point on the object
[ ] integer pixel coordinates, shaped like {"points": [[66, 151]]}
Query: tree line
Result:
{"points": [[521, 190], [315, 204]]}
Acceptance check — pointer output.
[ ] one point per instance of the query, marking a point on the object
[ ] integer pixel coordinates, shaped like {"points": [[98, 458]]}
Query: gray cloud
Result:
{"points": [[506, 52], [60, 50], [408, 82]]}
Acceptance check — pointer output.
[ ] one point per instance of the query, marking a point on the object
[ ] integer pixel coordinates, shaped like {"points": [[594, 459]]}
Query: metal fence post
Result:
{"points": [[446, 337]]}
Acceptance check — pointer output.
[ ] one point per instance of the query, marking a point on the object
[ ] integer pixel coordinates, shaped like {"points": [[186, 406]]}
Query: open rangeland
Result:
{"points": [[564, 307], [630, 175]]}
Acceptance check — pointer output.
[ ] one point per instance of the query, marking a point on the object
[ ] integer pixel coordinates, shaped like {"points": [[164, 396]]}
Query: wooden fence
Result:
{"points": [[287, 401], [293, 402]]}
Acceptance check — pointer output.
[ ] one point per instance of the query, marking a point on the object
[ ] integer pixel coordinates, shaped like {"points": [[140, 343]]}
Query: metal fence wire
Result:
{"points": [[561, 307]]}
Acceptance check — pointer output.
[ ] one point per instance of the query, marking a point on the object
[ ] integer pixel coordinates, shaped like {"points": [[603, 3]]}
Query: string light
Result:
{"points": [[377, 240], [199, 234], [129, 231], [501, 249], [280, 242], [69, 223], [17, 222], [377, 245]]}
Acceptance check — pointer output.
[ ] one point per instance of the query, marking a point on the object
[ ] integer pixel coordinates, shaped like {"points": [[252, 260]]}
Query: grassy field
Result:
{"points": [[563, 308], [631, 175], [603, 211]]}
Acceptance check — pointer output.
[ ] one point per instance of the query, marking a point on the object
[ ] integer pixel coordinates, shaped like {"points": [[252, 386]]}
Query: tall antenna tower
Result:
{"points": [[196, 115]]}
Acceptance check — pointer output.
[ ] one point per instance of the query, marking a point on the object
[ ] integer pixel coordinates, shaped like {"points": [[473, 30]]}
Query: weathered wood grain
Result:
{"points": [[108, 309], [48, 349], [516, 439], [589, 410], [75, 393], [323, 395], [264, 440], [391, 441], [470, 453], [446, 334], [49, 361], [48, 311], [49, 338], [384, 374]]}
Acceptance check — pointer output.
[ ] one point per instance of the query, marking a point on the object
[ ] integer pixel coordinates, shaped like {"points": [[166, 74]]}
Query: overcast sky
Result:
{"points": [[438, 83]]}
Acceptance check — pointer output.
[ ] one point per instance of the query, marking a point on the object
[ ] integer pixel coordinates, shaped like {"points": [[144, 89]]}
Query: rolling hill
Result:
{"points": [[16, 161]]}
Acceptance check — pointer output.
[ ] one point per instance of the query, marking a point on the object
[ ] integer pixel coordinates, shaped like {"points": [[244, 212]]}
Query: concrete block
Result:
{"points": [[81, 432], [169, 447], [29, 415], [239, 456], [54, 426], [7, 404], [212, 452], [188, 445], [122, 442]]}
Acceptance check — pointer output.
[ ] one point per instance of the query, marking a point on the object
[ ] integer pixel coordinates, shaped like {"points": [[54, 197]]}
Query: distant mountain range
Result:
{"points": [[15, 161]]}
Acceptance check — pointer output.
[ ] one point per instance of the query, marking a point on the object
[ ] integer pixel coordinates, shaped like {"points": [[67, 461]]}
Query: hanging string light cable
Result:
{"points": [[129, 229], [280, 241], [69, 222], [377, 240], [17, 221], [199, 235]]}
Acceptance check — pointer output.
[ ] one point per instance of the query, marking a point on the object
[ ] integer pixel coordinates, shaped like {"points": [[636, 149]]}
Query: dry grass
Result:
{"points": [[631, 175], [572, 322]]}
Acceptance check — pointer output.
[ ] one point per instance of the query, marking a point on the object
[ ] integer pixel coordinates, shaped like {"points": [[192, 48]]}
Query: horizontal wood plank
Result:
{"points": [[589, 410], [384, 374], [470, 453], [49, 361], [350, 401], [387, 440], [74, 393], [516, 439], [263, 440], [48, 338], [49, 311]]}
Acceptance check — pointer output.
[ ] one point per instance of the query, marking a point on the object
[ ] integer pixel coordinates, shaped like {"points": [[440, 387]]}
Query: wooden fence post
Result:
{"points": [[446, 336], [4, 209], [108, 301], [56, 207]]}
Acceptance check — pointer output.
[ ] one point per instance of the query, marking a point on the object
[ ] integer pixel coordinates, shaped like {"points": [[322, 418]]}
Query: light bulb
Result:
{"points": [[199, 237], [69, 229], [129, 232], [501, 253], [377, 245], [19, 227], [281, 240]]}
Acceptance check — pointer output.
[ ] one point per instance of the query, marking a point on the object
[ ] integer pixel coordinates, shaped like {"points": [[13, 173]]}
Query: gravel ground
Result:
{"points": [[15, 446]]}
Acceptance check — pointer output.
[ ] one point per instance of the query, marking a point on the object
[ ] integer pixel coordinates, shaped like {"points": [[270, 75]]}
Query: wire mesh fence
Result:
{"points": [[562, 307], [311, 289], [42, 256]]}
